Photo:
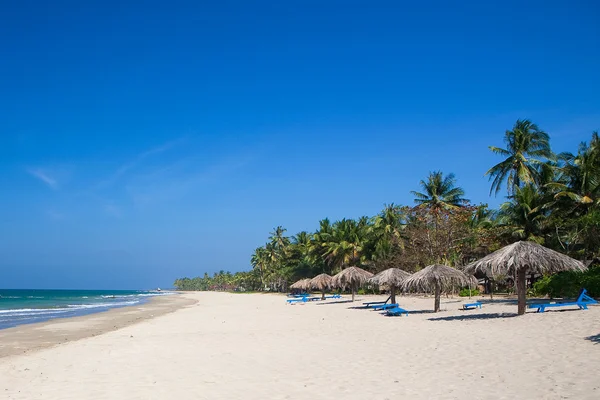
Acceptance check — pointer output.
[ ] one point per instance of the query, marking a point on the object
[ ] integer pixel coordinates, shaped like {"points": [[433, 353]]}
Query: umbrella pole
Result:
{"points": [[436, 305], [353, 290], [393, 294], [521, 291], [323, 295]]}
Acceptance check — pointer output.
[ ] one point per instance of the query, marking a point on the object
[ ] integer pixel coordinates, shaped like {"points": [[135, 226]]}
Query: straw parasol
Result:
{"points": [[437, 278], [392, 277], [521, 258], [321, 282], [302, 284], [353, 277]]}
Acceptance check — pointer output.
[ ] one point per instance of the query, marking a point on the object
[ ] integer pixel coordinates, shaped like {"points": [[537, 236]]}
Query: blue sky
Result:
{"points": [[146, 141]]}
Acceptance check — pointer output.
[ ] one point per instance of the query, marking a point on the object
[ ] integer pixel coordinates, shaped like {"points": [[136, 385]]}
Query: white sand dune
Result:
{"points": [[238, 346]]}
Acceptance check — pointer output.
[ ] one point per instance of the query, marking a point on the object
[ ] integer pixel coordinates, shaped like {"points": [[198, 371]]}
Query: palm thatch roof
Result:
{"points": [[440, 277], [390, 277], [352, 276], [302, 284], [529, 256], [321, 282]]}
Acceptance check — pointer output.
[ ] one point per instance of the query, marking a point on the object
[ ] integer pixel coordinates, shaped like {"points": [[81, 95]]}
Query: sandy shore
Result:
{"points": [[256, 347], [25, 338]]}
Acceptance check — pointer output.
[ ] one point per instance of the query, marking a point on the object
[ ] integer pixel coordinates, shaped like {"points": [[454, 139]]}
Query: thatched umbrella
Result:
{"points": [[437, 278], [321, 282], [521, 258], [392, 277], [302, 284], [353, 277]]}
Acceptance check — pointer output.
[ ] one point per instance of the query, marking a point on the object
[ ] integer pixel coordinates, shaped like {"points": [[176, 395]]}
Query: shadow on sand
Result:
{"points": [[474, 317], [594, 338]]}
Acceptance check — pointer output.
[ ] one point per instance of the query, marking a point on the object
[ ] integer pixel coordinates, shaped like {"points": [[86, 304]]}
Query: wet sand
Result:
{"points": [[24, 338]]}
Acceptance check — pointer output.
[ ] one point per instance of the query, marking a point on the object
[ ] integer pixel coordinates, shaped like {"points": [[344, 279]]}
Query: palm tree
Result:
{"points": [[440, 192], [277, 239], [526, 146], [260, 260], [346, 243], [580, 175], [389, 222], [386, 242], [525, 213]]}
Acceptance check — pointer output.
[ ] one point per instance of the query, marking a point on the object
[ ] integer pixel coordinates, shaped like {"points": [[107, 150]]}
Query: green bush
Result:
{"points": [[465, 292], [361, 291], [569, 283]]}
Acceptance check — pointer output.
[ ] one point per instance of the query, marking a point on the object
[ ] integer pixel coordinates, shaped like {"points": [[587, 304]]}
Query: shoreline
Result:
{"points": [[27, 338]]}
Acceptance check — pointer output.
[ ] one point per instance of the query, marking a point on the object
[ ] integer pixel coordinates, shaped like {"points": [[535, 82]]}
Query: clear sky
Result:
{"points": [[146, 141]]}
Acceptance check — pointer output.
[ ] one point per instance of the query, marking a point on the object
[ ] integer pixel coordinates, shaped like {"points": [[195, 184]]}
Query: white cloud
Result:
{"points": [[43, 176], [123, 169]]}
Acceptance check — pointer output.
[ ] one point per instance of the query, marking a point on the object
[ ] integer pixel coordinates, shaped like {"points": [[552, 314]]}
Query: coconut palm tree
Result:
{"points": [[389, 222], [526, 147], [260, 260], [525, 213], [440, 192], [580, 175], [278, 240], [346, 243]]}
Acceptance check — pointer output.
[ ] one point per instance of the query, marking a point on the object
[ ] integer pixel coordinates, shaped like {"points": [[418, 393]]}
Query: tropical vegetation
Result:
{"points": [[551, 199]]}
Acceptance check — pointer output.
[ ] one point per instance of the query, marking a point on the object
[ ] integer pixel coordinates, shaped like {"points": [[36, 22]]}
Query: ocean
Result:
{"points": [[19, 306]]}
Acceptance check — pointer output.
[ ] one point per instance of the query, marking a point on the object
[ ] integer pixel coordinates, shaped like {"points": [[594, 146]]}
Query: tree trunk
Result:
{"points": [[353, 291], [323, 295], [521, 291], [393, 294], [438, 293]]}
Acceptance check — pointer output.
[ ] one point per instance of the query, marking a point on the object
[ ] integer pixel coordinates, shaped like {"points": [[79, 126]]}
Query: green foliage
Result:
{"points": [[568, 284], [465, 292]]}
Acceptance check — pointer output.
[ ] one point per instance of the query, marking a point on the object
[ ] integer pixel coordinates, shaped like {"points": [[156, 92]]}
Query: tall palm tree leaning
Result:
{"points": [[440, 192], [526, 148]]}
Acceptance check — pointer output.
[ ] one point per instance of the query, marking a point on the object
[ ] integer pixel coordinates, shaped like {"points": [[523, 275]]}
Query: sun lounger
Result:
{"points": [[470, 306], [371, 304], [302, 299], [385, 306], [396, 311], [582, 302], [335, 296]]}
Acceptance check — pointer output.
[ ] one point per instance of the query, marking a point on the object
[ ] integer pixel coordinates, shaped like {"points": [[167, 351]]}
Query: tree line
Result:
{"points": [[552, 199]]}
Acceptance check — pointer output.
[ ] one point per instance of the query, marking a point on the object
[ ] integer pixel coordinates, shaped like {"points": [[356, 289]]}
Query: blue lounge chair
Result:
{"points": [[471, 306], [392, 312], [582, 302], [385, 306], [372, 304], [302, 299], [335, 296]]}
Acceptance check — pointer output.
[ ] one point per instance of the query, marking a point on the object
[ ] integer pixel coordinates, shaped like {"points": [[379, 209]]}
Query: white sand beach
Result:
{"points": [[255, 346]]}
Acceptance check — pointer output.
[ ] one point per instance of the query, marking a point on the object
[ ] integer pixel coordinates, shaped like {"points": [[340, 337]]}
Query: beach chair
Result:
{"points": [[471, 306], [582, 302], [383, 307], [298, 295], [372, 304], [396, 311], [303, 299], [335, 296]]}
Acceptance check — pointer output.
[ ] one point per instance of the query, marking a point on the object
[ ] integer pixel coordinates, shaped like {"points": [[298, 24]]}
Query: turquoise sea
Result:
{"points": [[19, 306]]}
